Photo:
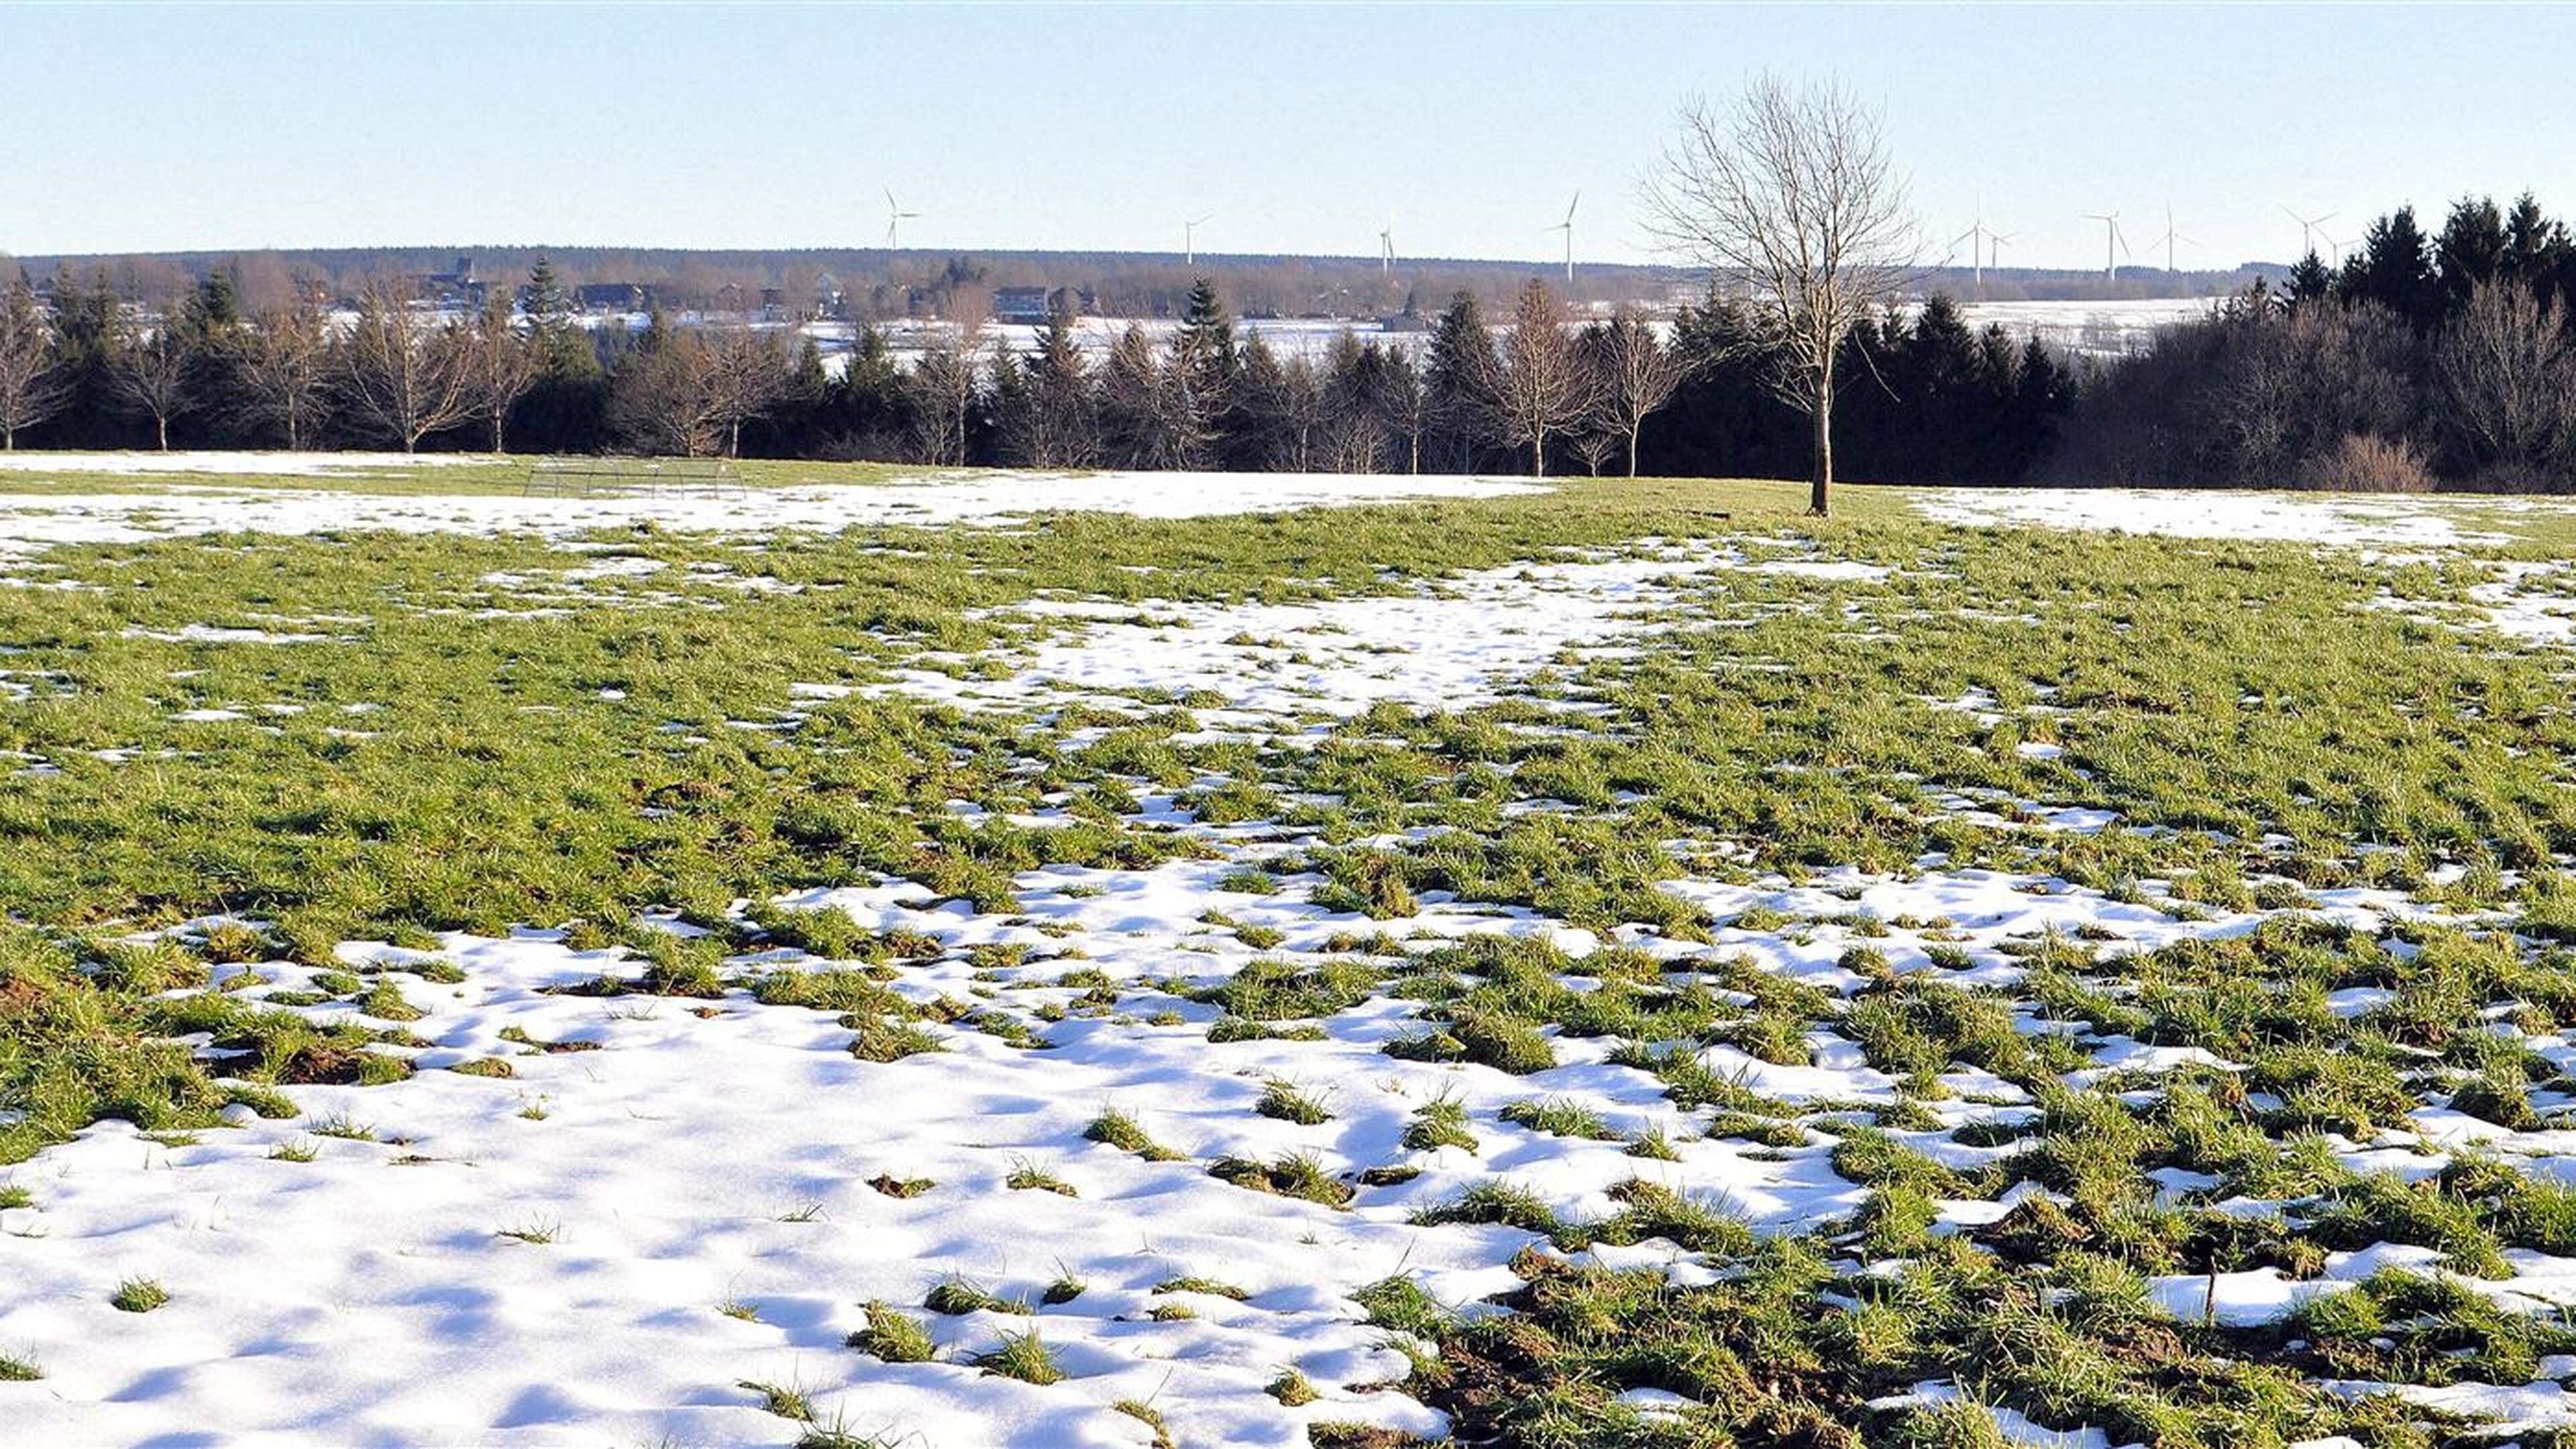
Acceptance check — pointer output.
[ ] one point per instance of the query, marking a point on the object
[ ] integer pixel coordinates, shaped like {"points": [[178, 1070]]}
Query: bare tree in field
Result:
{"points": [[1542, 389], [746, 376], [942, 384], [2508, 368], [151, 369], [501, 364], [1792, 190], [941, 388], [400, 377], [31, 384], [285, 371], [1596, 446], [1635, 376]]}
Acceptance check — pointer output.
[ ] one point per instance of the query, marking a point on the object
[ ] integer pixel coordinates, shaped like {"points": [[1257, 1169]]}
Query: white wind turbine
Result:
{"points": [[1567, 226], [1190, 239], [1995, 247], [1386, 248], [2308, 229], [2169, 238], [895, 217], [1975, 236], [2111, 237]]}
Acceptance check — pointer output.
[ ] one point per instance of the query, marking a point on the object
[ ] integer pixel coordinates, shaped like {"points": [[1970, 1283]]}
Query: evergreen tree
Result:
{"points": [[1460, 381], [2470, 250], [2310, 281], [565, 410], [869, 403], [1256, 407], [2394, 268], [1204, 347]]}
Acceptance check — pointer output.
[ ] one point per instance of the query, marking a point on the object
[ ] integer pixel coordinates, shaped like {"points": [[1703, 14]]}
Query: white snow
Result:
{"points": [[2323, 518], [30, 522], [1450, 644], [277, 464]]}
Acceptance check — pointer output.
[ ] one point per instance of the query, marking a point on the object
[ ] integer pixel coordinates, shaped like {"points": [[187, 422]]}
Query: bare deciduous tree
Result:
{"points": [[1596, 446], [942, 383], [501, 364], [284, 374], [2508, 367], [31, 384], [1542, 387], [1636, 375], [746, 376], [400, 376], [151, 369], [1791, 189]]}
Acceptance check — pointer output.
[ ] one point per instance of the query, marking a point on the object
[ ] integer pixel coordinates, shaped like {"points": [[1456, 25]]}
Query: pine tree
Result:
{"points": [[1205, 345], [2310, 281], [2394, 269], [1460, 382], [2470, 250]]}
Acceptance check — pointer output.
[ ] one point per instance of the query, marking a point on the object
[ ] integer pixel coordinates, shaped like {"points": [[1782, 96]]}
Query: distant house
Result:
{"points": [[613, 297], [1032, 306], [455, 287]]}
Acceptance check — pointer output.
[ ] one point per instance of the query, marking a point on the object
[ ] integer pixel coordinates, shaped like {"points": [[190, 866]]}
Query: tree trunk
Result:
{"points": [[496, 432], [161, 430], [8, 440], [1634, 426], [1538, 456], [1824, 413]]}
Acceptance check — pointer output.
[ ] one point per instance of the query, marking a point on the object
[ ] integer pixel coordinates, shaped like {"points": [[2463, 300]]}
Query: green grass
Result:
{"points": [[1778, 724], [894, 1336], [138, 1295], [1022, 1356]]}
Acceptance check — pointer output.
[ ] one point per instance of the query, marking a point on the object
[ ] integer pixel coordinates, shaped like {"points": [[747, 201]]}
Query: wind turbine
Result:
{"points": [[1567, 226], [2169, 238], [2308, 228], [1975, 237], [2110, 238], [1190, 239], [1995, 247], [895, 217], [1386, 248]]}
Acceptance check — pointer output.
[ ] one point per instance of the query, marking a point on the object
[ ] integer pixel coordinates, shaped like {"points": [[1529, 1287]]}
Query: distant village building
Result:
{"points": [[455, 287], [1032, 306], [613, 297]]}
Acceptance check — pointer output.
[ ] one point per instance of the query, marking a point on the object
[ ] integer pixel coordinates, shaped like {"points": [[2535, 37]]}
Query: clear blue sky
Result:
{"points": [[157, 127]]}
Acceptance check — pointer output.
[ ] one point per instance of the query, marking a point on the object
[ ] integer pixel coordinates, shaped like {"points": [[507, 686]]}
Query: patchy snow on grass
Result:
{"points": [[2345, 519], [1450, 644], [246, 464], [31, 522]]}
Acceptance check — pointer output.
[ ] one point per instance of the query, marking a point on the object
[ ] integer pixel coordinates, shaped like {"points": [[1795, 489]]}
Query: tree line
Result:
{"points": [[1537, 393], [2420, 361]]}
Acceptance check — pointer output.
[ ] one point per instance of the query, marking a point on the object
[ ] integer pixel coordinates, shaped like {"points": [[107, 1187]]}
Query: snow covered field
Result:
{"points": [[1163, 1127], [30, 522]]}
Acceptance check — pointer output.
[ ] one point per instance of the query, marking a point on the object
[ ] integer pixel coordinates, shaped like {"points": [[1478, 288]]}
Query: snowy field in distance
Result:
{"points": [[29, 522]]}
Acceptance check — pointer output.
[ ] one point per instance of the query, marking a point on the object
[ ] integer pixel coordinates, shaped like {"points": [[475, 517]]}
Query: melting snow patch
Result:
{"points": [[29, 523], [2210, 513]]}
